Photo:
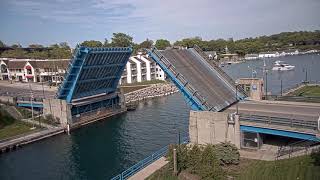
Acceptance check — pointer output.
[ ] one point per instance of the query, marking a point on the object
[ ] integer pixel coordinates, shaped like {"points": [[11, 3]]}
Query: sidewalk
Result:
{"points": [[31, 137], [42, 124], [150, 169]]}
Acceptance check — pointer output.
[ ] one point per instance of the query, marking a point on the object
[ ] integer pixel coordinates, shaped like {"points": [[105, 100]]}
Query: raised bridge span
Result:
{"points": [[204, 85]]}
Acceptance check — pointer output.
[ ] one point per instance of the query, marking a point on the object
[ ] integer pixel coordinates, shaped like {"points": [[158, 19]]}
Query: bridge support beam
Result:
{"points": [[207, 127]]}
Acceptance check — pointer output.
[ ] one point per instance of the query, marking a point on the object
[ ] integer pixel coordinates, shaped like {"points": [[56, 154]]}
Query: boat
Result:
{"points": [[282, 66]]}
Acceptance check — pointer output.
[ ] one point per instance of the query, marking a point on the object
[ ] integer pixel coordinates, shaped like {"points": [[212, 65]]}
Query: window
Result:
{"points": [[3, 68], [160, 75]]}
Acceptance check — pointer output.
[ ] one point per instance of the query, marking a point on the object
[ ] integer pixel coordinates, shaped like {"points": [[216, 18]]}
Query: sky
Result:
{"points": [[52, 21]]}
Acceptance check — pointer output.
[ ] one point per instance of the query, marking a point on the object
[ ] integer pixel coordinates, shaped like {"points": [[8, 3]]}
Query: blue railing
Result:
{"points": [[145, 162]]}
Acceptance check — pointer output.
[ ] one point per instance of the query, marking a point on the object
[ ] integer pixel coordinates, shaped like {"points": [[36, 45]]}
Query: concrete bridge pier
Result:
{"points": [[207, 127]]}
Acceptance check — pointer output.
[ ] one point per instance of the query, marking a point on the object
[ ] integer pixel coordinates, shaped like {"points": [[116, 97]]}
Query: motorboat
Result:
{"points": [[282, 66]]}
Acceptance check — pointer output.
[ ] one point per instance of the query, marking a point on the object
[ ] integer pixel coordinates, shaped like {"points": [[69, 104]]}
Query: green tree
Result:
{"points": [[16, 46], [106, 43], [189, 42], [162, 44], [2, 44], [15, 53], [92, 43], [35, 46], [121, 40], [146, 44], [59, 51]]}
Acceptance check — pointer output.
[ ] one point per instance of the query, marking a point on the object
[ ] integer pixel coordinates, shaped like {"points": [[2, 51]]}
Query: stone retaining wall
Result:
{"points": [[155, 90]]}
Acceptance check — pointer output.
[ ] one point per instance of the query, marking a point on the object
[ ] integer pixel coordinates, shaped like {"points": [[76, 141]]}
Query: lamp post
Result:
{"points": [[31, 99], [237, 109], [281, 86]]}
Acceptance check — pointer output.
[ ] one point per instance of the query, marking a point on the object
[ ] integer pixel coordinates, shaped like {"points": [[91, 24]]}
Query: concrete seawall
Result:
{"points": [[155, 90]]}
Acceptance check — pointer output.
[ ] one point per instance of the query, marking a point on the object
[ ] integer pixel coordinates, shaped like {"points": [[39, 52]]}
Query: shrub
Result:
{"points": [[204, 161], [209, 165], [315, 155], [227, 153], [5, 118]]}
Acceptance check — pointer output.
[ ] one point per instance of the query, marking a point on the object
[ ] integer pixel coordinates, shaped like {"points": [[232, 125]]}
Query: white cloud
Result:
{"points": [[175, 19]]}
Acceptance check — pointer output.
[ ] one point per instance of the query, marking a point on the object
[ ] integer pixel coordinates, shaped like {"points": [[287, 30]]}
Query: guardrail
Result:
{"points": [[193, 91], [294, 123], [145, 162], [290, 149], [35, 99], [314, 99]]}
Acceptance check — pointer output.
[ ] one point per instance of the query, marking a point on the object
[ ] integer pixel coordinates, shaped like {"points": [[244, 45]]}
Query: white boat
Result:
{"points": [[282, 66]]}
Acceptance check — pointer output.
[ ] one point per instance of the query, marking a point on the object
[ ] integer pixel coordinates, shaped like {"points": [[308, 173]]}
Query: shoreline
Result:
{"points": [[153, 91]]}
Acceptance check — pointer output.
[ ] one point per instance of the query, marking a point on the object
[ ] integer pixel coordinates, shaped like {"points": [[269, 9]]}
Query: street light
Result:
{"points": [[31, 99], [237, 98], [281, 86]]}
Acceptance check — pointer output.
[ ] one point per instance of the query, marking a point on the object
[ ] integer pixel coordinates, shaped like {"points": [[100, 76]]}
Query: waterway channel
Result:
{"points": [[104, 149]]}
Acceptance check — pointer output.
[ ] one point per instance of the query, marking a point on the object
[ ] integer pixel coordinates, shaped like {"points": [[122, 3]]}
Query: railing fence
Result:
{"points": [[145, 162]]}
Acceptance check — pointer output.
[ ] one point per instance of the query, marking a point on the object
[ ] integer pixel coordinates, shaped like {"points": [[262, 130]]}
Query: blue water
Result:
{"points": [[302, 63]]}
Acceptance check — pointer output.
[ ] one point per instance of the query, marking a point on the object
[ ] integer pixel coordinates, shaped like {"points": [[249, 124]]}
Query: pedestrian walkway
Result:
{"points": [[150, 169], [31, 138], [42, 124]]}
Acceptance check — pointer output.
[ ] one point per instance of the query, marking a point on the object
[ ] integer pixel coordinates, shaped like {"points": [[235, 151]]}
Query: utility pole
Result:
{"points": [[31, 99], [175, 171], [266, 84], [237, 109], [281, 86], [306, 75], [266, 79]]}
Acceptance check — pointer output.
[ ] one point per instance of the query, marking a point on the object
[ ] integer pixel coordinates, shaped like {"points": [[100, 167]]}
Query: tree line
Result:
{"points": [[302, 40]]}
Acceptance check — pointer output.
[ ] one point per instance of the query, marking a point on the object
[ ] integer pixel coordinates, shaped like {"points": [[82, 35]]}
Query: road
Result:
{"points": [[202, 77], [294, 110], [18, 89]]}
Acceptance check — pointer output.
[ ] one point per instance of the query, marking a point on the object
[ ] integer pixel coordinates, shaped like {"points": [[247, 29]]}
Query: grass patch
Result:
{"points": [[307, 91], [26, 113], [5, 118], [14, 129], [294, 168]]}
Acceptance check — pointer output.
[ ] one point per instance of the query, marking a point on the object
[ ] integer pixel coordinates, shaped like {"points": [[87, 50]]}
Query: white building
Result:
{"points": [[141, 68], [26, 70], [290, 52], [251, 56], [268, 54]]}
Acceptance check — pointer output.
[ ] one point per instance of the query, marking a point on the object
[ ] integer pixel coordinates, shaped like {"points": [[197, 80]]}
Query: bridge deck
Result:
{"points": [[200, 74], [302, 111]]}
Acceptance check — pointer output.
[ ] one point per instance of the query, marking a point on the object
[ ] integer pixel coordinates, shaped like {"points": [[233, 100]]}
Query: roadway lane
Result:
{"points": [[207, 81], [302, 111]]}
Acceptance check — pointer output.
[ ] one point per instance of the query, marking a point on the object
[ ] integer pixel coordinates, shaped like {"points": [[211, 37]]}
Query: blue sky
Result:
{"points": [[73, 21]]}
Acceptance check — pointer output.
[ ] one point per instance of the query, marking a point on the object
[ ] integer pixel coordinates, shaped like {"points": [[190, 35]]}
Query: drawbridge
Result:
{"points": [[91, 80], [203, 83]]}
